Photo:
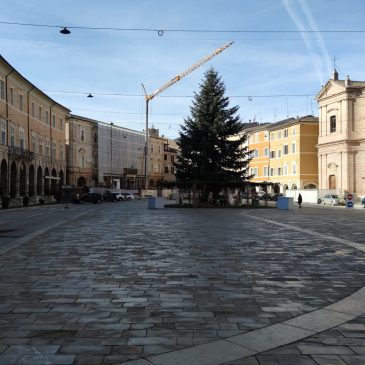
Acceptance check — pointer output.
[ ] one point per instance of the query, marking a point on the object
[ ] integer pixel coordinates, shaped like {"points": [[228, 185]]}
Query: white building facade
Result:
{"points": [[341, 141]]}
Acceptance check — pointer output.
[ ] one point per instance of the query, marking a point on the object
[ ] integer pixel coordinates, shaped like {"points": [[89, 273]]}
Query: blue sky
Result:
{"points": [[257, 65]]}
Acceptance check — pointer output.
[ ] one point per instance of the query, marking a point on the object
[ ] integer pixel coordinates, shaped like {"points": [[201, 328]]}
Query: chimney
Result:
{"points": [[347, 81], [335, 75]]}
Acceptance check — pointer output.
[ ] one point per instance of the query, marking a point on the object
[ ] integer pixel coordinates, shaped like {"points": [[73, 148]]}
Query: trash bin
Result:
{"points": [[156, 203], [285, 203]]}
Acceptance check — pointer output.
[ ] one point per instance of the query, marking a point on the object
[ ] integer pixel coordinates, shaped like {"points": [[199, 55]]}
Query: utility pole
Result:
{"points": [[167, 85]]}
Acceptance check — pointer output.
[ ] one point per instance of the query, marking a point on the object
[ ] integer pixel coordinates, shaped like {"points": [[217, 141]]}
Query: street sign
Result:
{"points": [[349, 200]]}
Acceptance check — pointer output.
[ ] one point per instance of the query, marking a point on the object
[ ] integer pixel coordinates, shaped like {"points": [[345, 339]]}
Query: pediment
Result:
{"points": [[331, 88]]}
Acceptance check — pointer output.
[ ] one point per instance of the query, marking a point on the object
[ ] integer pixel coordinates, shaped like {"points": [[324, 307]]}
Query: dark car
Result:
{"points": [[109, 197], [95, 198]]}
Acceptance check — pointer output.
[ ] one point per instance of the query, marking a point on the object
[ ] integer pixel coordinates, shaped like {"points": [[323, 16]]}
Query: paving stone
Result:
{"points": [[46, 359], [270, 337], [317, 349], [207, 354], [95, 350], [328, 360]]}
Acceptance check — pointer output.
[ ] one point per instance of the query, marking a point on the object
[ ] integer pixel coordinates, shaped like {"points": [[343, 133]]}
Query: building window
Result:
{"points": [[46, 117], [254, 171], [286, 133], [3, 132], [293, 148], [21, 102], [40, 150], [172, 169], [266, 152], [266, 171], [294, 169], [2, 89], [293, 131], [54, 150], [255, 153], [333, 124], [61, 124], [34, 142], [285, 149], [279, 171], [272, 136], [279, 134], [47, 148], [21, 138], [33, 110], [279, 154], [82, 135], [53, 121], [172, 159], [272, 172], [12, 136], [272, 154], [165, 157], [166, 169], [11, 96], [286, 170], [40, 113], [61, 152], [82, 161]]}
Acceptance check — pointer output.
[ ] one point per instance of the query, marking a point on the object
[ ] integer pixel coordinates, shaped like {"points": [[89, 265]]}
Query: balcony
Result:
{"points": [[20, 154]]}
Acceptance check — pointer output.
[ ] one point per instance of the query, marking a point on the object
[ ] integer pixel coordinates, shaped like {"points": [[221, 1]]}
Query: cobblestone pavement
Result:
{"points": [[125, 282]]}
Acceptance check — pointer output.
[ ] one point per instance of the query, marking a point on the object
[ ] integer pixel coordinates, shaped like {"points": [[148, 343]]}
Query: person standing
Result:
{"points": [[300, 200]]}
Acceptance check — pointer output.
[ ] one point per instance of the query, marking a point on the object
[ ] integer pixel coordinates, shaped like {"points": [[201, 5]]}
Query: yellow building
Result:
{"points": [[258, 143], [284, 153]]}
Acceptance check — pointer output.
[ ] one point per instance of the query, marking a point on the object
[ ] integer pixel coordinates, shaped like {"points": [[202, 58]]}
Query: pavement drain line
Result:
{"points": [[30, 236], [268, 338]]}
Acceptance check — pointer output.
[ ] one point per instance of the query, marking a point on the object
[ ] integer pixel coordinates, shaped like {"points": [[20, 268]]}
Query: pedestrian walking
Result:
{"points": [[300, 199]]}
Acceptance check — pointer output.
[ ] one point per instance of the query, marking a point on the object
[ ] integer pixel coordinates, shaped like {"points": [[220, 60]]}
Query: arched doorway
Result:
{"points": [[47, 190], [4, 178], [310, 186], [294, 187], [81, 182], [13, 176], [31, 181], [22, 180], [39, 181], [285, 187], [54, 183]]}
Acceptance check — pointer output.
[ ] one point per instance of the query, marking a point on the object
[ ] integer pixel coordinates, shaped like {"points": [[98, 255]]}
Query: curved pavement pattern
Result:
{"points": [[118, 285], [274, 336]]}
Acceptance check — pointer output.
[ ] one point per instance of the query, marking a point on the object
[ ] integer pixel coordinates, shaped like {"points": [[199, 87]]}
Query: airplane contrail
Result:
{"points": [[314, 26], [316, 60]]}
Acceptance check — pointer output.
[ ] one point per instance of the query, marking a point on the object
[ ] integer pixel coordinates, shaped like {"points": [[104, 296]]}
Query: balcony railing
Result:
{"points": [[20, 154]]}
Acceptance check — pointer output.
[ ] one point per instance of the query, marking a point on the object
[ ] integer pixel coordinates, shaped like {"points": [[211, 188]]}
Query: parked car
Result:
{"points": [[119, 196], [109, 197], [95, 198], [128, 196], [332, 199]]}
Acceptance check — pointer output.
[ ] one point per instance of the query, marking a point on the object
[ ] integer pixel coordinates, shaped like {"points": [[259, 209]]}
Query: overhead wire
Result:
{"points": [[161, 31]]}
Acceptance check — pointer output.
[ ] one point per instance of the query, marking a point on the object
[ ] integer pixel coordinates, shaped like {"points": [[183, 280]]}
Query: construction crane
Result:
{"points": [[173, 81]]}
